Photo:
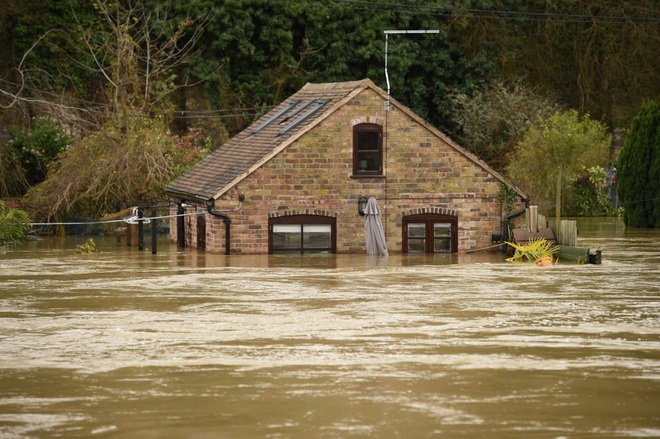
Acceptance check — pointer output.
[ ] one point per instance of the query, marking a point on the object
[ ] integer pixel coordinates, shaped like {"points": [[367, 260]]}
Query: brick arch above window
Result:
{"points": [[430, 210], [293, 212], [367, 119]]}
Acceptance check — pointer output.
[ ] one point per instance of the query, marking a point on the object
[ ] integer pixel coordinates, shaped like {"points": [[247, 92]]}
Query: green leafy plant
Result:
{"points": [[14, 224], [533, 251], [507, 197], [88, 247]]}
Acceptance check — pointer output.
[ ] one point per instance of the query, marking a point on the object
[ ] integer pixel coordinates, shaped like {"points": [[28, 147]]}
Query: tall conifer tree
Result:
{"points": [[639, 169]]}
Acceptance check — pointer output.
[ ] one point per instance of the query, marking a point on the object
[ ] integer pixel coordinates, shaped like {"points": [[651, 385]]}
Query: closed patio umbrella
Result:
{"points": [[373, 230]]}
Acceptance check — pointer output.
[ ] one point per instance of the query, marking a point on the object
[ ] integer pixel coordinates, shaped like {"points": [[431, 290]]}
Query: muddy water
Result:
{"points": [[126, 344]]}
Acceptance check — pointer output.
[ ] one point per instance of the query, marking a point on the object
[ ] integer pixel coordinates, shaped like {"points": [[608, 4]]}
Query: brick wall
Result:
{"points": [[315, 174]]}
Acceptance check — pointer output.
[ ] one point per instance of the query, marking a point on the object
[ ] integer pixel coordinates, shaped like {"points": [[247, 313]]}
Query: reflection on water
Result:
{"points": [[128, 344]]}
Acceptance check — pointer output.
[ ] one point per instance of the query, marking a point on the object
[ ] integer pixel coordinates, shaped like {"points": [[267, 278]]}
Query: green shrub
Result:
{"points": [[37, 147], [590, 194], [14, 224]]}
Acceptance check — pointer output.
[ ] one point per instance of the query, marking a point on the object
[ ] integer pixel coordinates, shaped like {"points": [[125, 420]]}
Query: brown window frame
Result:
{"points": [[303, 220], [362, 156], [429, 219]]}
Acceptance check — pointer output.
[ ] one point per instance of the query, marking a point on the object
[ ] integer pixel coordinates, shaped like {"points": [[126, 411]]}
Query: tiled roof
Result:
{"points": [[250, 148]]}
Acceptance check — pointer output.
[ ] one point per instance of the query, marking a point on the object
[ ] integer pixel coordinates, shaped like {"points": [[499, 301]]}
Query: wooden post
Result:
{"points": [[154, 231], [131, 235], [558, 206], [543, 222], [533, 219], [140, 229]]}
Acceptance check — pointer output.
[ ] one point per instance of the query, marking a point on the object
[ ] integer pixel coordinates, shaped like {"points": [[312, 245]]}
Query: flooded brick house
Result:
{"points": [[296, 179]]}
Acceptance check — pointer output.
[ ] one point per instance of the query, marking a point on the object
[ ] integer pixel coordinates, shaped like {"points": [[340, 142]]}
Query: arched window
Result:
{"points": [[302, 234], [367, 150], [430, 233]]}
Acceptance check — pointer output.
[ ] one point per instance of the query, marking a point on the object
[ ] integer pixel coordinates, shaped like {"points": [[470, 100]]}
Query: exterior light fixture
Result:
{"points": [[362, 204]]}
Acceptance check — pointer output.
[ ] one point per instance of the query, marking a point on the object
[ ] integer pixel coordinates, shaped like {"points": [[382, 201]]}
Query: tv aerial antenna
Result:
{"points": [[387, 34]]}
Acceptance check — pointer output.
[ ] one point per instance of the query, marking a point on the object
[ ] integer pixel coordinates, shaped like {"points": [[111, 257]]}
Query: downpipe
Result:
{"points": [[218, 214], [505, 227], [227, 222]]}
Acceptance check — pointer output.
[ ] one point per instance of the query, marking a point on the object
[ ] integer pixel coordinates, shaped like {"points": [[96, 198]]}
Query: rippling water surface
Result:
{"points": [[126, 344]]}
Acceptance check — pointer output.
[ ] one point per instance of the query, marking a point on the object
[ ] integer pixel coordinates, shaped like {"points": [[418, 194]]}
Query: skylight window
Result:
{"points": [[275, 116], [307, 110]]}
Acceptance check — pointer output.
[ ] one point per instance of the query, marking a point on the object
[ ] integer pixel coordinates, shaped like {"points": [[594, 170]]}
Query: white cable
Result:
{"points": [[123, 220]]}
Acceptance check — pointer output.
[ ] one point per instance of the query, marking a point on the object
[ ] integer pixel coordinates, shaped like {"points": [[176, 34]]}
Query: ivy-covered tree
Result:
{"points": [[638, 169]]}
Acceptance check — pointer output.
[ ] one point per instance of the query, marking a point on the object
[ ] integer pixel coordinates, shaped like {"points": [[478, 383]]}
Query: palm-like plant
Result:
{"points": [[534, 250]]}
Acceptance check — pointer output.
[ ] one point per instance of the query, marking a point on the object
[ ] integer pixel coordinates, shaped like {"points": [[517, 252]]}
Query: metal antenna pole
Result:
{"points": [[387, 76]]}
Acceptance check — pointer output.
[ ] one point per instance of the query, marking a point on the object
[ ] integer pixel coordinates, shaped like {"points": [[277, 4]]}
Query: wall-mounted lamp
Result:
{"points": [[362, 205], [241, 197]]}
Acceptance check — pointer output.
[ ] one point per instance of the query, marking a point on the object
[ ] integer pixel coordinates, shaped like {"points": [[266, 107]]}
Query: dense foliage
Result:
{"points": [[37, 147], [639, 169], [590, 194]]}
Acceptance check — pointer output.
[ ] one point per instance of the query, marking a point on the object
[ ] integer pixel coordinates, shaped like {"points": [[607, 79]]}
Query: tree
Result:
{"points": [[129, 154], [638, 169], [492, 120], [554, 152]]}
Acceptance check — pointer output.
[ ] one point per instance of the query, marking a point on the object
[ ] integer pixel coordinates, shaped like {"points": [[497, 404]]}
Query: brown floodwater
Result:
{"points": [[127, 344]]}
